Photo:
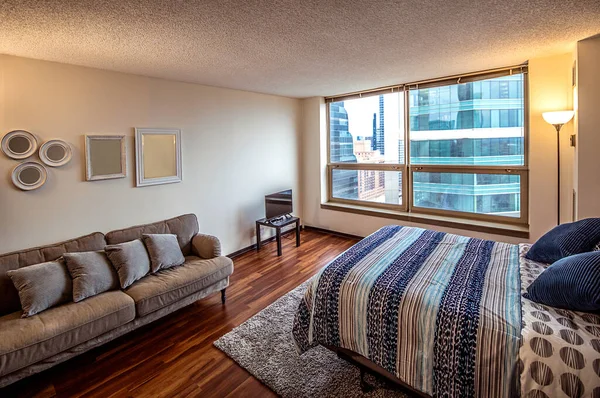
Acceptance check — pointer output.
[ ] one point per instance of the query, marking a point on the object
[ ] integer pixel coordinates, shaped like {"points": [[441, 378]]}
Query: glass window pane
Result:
{"points": [[368, 185], [485, 89], [495, 194], [369, 130], [504, 118], [473, 112]]}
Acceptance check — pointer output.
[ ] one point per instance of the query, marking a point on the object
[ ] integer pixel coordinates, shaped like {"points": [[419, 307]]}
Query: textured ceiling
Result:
{"points": [[296, 48]]}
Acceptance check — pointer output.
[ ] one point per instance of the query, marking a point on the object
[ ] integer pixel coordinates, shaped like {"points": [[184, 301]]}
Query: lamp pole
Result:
{"points": [[558, 126], [558, 119]]}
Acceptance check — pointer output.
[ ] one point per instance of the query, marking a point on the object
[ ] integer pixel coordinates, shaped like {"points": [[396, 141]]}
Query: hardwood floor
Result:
{"points": [[174, 356]]}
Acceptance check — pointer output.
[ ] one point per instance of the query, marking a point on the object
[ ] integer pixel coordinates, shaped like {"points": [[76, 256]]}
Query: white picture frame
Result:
{"points": [[25, 184], [118, 152], [47, 157], [157, 156], [18, 138]]}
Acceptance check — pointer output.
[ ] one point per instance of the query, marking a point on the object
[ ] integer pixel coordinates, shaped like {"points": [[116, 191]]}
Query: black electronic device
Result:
{"points": [[278, 204]]}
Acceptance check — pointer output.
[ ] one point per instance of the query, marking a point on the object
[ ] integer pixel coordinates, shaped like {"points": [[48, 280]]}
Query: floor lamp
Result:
{"points": [[558, 119]]}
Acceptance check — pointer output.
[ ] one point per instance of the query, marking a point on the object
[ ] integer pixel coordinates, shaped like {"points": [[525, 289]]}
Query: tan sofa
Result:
{"points": [[30, 345]]}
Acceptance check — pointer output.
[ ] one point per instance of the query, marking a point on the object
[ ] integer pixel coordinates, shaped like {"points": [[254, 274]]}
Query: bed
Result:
{"points": [[443, 314]]}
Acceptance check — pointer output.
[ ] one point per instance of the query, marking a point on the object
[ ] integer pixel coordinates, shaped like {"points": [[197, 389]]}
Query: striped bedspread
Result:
{"points": [[440, 311]]}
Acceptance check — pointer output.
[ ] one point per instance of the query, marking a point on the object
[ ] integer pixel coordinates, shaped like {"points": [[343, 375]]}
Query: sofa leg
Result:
{"points": [[223, 296]]}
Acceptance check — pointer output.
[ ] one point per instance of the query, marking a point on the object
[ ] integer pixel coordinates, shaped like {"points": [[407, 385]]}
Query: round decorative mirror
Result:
{"points": [[55, 153], [29, 176], [19, 144]]}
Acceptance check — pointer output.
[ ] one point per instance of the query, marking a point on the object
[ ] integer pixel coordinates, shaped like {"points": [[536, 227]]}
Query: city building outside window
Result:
{"points": [[466, 152]]}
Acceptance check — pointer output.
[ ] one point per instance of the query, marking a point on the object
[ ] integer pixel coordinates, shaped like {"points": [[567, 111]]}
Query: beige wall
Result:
{"points": [[237, 147], [588, 128], [550, 88]]}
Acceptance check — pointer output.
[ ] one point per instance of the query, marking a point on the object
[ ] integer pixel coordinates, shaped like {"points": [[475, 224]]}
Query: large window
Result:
{"points": [[466, 152]]}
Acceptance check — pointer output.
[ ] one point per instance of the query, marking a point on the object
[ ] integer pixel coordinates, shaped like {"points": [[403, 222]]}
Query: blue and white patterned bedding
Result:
{"points": [[442, 312]]}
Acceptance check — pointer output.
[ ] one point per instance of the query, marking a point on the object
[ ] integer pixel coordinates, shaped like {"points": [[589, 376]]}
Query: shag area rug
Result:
{"points": [[263, 346]]}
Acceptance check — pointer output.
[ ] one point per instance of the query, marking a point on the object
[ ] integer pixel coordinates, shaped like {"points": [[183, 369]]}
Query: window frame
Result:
{"points": [[496, 170], [370, 167], [407, 169]]}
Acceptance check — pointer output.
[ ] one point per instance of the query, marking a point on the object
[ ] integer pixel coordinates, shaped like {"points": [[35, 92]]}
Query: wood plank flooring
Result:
{"points": [[174, 356]]}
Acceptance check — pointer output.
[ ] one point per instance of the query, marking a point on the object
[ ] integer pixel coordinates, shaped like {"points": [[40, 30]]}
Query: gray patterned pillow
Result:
{"points": [[92, 274], [130, 259], [42, 286], [164, 251]]}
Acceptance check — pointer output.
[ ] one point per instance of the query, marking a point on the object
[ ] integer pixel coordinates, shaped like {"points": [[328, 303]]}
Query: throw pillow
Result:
{"points": [[92, 274], [572, 283], [566, 240], [164, 251], [42, 286], [130, 259]]}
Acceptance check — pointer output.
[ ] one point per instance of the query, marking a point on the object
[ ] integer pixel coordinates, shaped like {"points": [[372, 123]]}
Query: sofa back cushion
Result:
{"points": [[9, 297], [185, 227]]}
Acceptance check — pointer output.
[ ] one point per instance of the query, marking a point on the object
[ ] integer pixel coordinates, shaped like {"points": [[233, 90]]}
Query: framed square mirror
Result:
{"points": [[105, 157], [157, 156]]}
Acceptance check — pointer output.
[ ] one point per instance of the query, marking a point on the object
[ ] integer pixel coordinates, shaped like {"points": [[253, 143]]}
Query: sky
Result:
{"points": [[360, 114], [360, 120]]}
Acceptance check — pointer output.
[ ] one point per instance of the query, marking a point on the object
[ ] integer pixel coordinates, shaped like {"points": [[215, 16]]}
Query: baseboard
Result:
{"points": [[247, 249], [328, 231]]}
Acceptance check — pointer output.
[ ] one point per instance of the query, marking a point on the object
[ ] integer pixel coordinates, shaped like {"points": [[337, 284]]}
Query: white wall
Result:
{"points": [[237, 147], [588, 128], [549, 83]]}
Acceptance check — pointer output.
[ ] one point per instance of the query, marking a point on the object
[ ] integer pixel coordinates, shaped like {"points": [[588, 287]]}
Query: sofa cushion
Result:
{"points": [[164, 251], [130, 259], [42, 286], [92, 274], [9, 298], [167, 286], [185, 227], [29, 340]]}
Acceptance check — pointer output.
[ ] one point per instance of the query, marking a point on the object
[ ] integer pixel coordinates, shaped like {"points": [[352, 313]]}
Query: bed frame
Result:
{"points": [[366, 366]]}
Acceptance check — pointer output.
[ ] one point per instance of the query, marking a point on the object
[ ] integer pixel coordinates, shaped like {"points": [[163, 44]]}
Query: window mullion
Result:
{"points": [[407, 186]]}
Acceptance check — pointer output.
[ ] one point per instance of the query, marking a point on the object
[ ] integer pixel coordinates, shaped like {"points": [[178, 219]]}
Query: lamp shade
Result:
{"points": [[558, 117]]}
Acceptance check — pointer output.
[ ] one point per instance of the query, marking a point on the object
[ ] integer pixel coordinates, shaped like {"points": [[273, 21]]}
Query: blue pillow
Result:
{"points": [[566, 240], [572, 283]]}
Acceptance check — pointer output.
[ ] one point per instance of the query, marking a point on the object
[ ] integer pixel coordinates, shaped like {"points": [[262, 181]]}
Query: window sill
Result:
{"points": [[517, 231]]}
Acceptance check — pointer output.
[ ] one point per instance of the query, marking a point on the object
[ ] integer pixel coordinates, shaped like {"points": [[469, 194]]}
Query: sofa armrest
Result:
{"points": [[206, 246]]}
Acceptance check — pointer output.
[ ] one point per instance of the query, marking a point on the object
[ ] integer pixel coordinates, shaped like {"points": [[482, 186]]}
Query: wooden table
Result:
{"points": [[277, 225]]}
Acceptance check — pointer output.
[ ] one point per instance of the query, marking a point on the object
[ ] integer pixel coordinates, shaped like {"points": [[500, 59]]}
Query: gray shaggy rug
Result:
{"points": [[263, 346]]}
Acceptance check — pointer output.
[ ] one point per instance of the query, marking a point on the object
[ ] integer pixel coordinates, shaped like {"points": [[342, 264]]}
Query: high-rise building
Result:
{"points": [[371, 183], [475, 123], [378, 143], [374, 137], [345, 182], [381, 131]]}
